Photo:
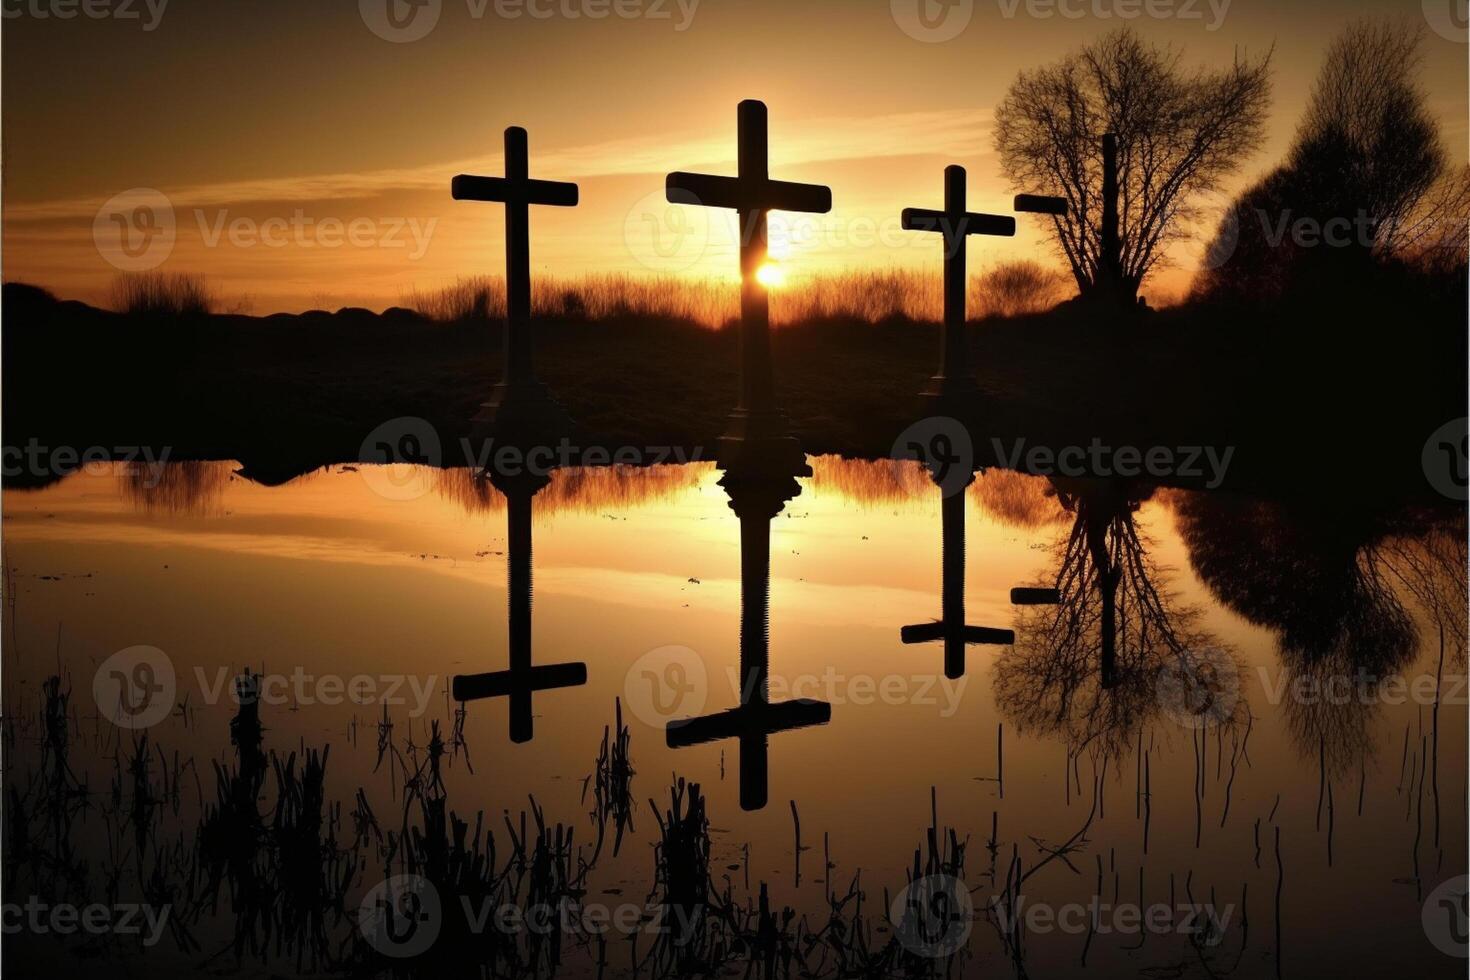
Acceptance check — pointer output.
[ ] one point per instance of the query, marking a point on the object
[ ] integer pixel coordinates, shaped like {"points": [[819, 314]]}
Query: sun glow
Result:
{"points": [[770, 275]]}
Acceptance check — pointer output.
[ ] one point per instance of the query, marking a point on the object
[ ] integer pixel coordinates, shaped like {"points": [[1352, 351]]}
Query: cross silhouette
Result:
{"points": [[951, 627], [518, 392], [522, 680], [756, 718], [758, 434], [955, 223]]}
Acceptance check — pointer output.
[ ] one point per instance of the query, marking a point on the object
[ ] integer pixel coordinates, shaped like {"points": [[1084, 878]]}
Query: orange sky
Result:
{"points": [[304, 161]]}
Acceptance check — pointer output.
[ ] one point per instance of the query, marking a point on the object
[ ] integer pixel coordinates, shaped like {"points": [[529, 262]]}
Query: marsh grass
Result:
{"points": [[1010, 289], [162, 294]]}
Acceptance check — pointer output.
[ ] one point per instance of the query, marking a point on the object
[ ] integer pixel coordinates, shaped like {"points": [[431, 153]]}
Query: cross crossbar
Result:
{"points": [[509, 190], [746, 194], [747, 720], [968, 223], [504, 683]]}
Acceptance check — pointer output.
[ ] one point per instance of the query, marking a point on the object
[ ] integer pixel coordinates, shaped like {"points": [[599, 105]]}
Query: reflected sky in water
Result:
{"points": [[390, 571]]}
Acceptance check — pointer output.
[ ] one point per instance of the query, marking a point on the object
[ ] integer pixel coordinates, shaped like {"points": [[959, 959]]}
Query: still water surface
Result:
{"points": [[1278, 674]]}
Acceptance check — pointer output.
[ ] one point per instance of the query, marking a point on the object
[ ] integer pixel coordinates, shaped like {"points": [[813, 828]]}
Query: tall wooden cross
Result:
{"points": [[758, 436], [756, 502], [522, 680], [519, 398], [955, 381], [954, 385], [951, 627]]}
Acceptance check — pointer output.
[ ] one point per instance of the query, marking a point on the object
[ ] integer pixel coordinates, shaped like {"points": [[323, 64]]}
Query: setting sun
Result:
{"points": [[771, 275]]}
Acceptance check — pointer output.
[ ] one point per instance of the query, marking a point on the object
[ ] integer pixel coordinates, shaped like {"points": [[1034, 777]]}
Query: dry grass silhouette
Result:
{"points": [[1010, 289], [162, 294], [581, 489]]}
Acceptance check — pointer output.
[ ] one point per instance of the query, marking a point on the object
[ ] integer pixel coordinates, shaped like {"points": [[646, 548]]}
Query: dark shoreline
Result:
{"points": [[1300, 416]]}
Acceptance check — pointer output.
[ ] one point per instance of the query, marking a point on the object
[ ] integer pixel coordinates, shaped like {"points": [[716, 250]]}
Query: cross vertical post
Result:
{"points": [[954, 359], [757, 373], [518, 369], [758, 438]]}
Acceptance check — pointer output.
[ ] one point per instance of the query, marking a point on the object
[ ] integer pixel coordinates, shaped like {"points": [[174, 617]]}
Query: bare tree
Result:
{"points": [[1367, 143], [1367, 156], [1117, 648], [1179, 134]]}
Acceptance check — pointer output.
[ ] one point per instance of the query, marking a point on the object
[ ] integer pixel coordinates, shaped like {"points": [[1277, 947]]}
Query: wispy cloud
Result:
{"points": [[950, 133]]}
